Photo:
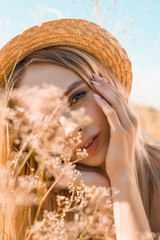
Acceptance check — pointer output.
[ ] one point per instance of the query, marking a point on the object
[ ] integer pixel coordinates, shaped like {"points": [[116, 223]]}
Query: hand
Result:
{"points": [[123, 128]]}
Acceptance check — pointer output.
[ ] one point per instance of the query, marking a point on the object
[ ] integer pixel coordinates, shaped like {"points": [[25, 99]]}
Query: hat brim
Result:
{"points": [[73, 32]]}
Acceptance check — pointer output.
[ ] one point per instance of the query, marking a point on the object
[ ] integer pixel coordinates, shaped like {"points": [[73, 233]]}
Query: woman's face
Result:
{"points": [[79, 95]]}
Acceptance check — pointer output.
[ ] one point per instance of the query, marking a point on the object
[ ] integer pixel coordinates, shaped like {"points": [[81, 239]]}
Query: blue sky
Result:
{"points": [[135, 23]]}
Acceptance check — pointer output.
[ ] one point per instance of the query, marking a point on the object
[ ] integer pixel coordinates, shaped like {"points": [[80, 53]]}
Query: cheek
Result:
{"points": [[97, 114], [100, 120]]}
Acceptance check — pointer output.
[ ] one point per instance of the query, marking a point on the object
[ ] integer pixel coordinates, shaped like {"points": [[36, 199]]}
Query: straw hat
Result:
{"points": [[75, 32]]}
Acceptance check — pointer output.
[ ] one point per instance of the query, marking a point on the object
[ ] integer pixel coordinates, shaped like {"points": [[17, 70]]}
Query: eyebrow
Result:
{"points": [[73, 86]]}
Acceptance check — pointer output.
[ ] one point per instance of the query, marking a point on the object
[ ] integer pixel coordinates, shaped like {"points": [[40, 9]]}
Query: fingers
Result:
{"points": [[117, 101], [131, 115], [110, 113]]}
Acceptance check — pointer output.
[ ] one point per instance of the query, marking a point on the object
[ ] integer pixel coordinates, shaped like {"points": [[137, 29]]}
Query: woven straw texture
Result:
{"points": [[75, 32]]}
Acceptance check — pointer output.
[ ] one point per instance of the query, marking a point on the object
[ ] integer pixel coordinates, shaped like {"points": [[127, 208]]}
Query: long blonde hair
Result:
{"points": [[147, 156]]}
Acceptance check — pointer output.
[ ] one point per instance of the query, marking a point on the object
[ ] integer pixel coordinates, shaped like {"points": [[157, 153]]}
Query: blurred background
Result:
{"points": [[134, 23]]}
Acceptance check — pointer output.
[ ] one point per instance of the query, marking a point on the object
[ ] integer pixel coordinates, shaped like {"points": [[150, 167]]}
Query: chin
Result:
{"points": [[92, 162], [96, 159]]}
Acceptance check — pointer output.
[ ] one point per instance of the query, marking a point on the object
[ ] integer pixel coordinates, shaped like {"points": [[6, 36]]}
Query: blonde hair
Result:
{"points": [[147, 156]]}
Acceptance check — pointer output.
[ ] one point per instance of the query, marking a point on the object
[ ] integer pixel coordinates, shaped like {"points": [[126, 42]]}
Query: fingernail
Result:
{"points": [[97, 96], [97, 77], [105, 80], [96, 83]]}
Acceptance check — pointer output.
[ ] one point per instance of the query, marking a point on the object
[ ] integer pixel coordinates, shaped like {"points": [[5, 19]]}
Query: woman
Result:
{"points": [[93, 70]]}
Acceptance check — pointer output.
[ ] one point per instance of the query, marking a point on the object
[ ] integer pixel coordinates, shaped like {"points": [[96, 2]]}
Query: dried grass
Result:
{"points": [[149, 120], [38, 163]]}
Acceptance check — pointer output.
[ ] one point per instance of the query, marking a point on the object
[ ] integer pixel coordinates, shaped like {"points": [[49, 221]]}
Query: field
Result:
{"points": [[149, 120]]}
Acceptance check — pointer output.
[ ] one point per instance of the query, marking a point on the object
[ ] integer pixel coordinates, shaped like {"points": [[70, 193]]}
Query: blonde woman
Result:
{"points": [[94, 72]]}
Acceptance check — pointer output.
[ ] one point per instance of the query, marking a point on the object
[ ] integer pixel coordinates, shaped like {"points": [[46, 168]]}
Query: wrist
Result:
{"points": [[124, 188], [123, 179]]}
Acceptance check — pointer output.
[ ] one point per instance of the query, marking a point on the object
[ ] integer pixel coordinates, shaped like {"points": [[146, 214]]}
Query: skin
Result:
{"points": [[115, 154], [61, 78]]}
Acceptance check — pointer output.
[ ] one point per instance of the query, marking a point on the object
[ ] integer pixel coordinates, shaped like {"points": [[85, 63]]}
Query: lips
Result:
{"points": [[86, 141]]}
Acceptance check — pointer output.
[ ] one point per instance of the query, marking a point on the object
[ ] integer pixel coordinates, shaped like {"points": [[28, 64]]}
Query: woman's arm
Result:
{"points": [[129, 214], [130, 219]]}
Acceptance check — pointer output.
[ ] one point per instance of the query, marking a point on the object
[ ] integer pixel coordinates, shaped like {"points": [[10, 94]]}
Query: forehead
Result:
{"points": [[39, 73]]}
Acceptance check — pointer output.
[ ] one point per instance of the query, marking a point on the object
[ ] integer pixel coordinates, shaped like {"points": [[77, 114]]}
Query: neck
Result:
{"points": [[102, 167]]}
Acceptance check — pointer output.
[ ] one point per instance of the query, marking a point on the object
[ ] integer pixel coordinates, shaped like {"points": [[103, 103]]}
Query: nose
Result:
{"points": [[71, 129]]}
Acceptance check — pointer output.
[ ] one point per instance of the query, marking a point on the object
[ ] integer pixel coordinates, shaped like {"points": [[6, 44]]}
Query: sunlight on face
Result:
{"points": [[79, 95]]}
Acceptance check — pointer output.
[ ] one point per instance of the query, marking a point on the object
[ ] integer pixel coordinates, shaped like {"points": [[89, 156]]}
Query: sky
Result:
{"points": [[135, 23]]}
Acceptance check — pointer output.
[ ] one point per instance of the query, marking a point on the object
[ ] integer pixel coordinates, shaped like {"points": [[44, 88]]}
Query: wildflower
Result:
{"points": [[41, 161]]}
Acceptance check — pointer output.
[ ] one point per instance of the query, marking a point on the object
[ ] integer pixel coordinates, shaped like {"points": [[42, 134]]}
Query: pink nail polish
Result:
{"points": [[105, 80], [96, 83], [97, 96], [97, 77]]}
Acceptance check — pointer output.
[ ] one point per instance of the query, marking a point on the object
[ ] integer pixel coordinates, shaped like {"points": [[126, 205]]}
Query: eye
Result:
{"points": [[76, 97]]}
